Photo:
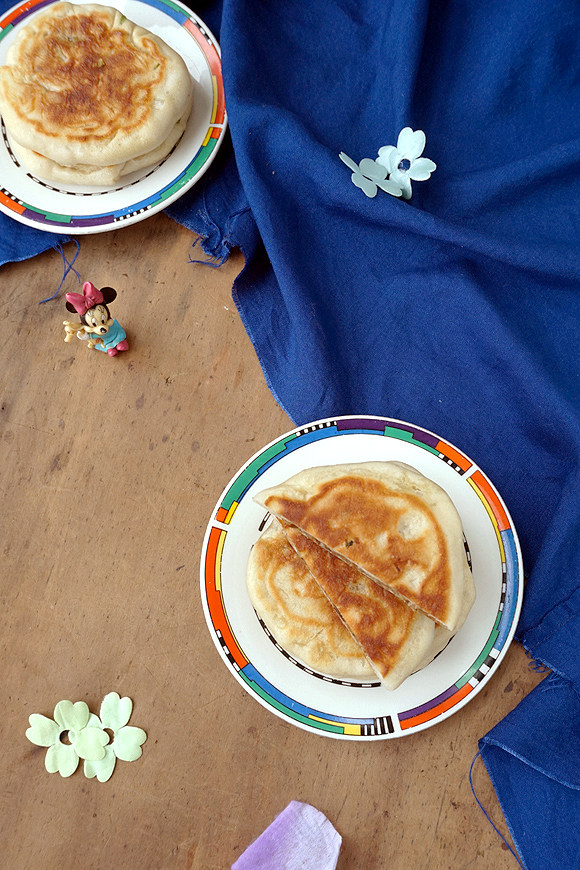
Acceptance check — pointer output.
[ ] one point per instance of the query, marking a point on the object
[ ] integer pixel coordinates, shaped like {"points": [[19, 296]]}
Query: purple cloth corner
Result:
{"points": [[300, 838]]}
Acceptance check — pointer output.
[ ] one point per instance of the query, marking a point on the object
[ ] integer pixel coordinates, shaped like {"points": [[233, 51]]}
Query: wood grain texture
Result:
{"points": [[110, 470]]}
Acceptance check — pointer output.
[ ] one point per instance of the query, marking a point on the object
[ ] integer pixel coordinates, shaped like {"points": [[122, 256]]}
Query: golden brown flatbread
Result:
{"points": [[83, 85], [396, 639], [394, 524], [297, 613]]}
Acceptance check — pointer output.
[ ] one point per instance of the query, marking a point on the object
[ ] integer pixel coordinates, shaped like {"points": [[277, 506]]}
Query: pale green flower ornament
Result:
{"points": [[369, 175], [127, 739], [73, 721]]}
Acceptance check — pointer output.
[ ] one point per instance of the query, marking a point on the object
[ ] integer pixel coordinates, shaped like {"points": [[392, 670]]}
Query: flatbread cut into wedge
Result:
{"points": [[297, 613], [83, 85], [396, 639], [390, 521]]}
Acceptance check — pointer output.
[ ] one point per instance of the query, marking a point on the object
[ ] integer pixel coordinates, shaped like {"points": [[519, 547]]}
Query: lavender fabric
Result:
{"points": [[300, 838]]}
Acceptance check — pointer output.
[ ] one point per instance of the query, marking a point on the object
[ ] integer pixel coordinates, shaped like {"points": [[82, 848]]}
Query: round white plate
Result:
{"points": [[354, 709], [73, 209]]}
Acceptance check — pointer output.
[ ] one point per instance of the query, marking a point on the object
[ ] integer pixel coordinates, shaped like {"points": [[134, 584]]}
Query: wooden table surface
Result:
{"points": [[110, 471]]}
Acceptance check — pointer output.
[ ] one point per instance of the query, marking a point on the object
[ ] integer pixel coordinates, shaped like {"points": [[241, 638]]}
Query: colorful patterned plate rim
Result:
{"points": [[72, 209], [352, 709]]}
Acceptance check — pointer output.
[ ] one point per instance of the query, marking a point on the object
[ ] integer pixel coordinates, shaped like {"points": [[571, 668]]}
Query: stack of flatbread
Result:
{"points": [[87, 96], [370, 553]]}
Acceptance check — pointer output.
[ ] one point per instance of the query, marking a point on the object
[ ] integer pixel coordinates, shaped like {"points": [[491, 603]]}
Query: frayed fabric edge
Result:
{"points": [[214, 242], [542, 665], [213, 260]]}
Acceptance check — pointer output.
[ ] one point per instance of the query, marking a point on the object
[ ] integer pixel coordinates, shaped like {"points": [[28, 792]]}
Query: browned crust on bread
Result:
{"points": [[379, 621], [88, 76], [349, 513]]}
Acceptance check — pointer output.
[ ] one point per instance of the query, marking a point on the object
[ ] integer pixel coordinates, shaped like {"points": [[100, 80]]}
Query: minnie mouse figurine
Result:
{"points": [[97, 326]]}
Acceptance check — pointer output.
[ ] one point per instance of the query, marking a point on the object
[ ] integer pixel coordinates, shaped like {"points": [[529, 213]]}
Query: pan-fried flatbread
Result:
{"points": [[396, 639], [296, 611], [387, 519], [106, 176], [84, 85]]}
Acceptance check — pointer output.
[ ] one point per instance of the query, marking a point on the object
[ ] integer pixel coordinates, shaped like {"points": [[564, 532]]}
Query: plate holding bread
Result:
{"points": [[108, 119], [402, 537]]}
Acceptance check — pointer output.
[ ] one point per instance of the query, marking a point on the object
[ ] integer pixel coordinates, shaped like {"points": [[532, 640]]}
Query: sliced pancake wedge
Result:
{"points": [[396, 639], [390, 521], [288, 600]]}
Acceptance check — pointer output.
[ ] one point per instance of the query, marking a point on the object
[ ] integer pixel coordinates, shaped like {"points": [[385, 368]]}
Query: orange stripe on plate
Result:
{"points": [[4, 22], [496, 506], [214, 599], [455, 456], [20, 10], [436, 711], [9, 203], [213, 59]]}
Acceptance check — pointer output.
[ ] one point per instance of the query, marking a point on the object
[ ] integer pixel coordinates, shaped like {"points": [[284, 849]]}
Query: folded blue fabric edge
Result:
{"points": [[239, 284], [25, 242], [555, 635], [542, 734], [549, 699]]}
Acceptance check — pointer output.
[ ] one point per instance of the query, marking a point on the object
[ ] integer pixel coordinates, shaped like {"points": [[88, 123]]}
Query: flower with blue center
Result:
{"points": [[404, 162]]}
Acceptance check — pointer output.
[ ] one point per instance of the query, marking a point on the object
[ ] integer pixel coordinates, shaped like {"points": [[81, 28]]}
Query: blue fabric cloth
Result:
{"points": [[458, 311], [19, 241], [533, 759]]}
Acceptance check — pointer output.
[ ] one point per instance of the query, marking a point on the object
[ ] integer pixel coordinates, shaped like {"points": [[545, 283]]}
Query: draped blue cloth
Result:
{"points": [[458, 310]]}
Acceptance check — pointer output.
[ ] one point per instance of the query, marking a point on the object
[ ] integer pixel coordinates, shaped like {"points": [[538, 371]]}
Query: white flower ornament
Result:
{"points": [[86, 741], [404, 163], [395, 167], [127, 740]]}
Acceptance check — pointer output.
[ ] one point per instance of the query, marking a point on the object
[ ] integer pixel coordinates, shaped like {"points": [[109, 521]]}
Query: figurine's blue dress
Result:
{"points": [[115, 335]]}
